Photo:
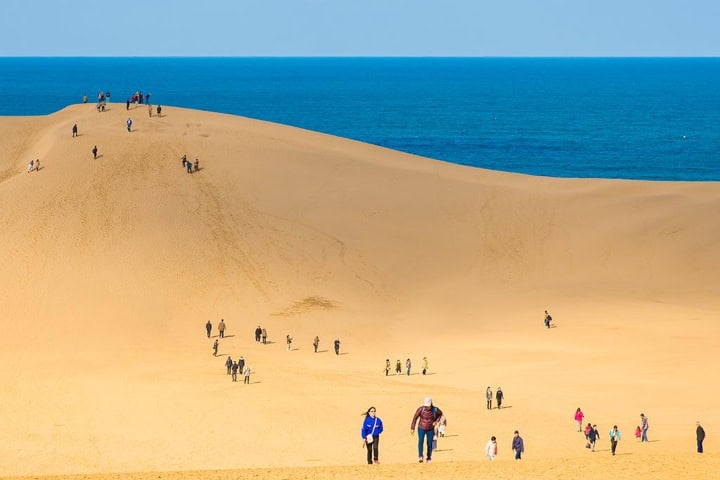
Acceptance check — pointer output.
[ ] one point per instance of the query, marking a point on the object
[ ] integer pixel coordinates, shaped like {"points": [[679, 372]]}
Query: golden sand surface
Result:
{"points": [[111, 267]]}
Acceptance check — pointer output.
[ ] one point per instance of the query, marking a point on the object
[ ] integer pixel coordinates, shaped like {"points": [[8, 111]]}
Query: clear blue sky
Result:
{"points": [[360, 28]]}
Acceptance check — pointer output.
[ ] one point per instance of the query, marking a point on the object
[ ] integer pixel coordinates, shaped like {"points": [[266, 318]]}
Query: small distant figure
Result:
{"points": [[288, 340], [638, 433], [489, 397], [184, 160], [129, 124], [615, 437], [592, 437], [316, 343], [37, 164], [518, 446], [234, 371], [208, 328], [246, 374], [370, 432], [188, 165], [398, 367], [75, 131], [424, 365], [579, 415], [644, 427], [31, 166], [336, 344], [94, 152], [159, 109], [241, 364], [499, 397], [127, 104], [491, 448], [408, 366], [84, 98], [228, 364], [387, 367], [216, 344], [221, 328], [149, 110], [197, 165], [147, 98], [264, 336], [700, 436], [107, 96], [258, 334], [548, 319]]}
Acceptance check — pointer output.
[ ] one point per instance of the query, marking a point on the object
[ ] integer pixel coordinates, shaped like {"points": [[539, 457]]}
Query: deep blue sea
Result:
{"points": [[634, 118]]}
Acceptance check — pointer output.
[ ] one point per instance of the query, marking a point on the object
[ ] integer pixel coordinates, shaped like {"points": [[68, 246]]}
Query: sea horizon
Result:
{"points": [[645, 118]]}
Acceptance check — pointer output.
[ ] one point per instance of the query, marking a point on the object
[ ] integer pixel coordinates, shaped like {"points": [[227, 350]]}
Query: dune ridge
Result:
{"points": [[111, 267]]}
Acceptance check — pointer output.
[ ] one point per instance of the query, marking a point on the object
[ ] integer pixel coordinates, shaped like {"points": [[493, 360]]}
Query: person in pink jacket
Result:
{"points": [[579, 415]]}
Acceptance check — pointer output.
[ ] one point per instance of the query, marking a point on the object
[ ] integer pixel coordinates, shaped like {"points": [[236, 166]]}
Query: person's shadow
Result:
{"points": [[99, 157]]}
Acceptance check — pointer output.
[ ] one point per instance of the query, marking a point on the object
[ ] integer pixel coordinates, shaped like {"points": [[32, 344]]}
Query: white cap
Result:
{"points": [[427, 402]]}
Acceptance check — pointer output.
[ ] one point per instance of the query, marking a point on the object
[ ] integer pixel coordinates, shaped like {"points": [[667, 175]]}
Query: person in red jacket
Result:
{"points": [[429, 417]]}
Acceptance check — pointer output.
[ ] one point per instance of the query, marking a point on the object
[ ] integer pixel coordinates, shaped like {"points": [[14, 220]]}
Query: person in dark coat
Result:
{"points": [[518, 445], [499, 397], [700, 434], [208, 328]]}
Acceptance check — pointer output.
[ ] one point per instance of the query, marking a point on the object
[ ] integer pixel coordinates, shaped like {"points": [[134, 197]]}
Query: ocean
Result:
{"points": [[630, 118]]}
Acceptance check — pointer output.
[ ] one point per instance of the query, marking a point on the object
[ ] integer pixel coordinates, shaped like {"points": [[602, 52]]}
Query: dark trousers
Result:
{"points": [[222, 333], [518, 454], [613, 445], [234, 376], [247, 379], [372, 449], [699, 445], [489, 404]]}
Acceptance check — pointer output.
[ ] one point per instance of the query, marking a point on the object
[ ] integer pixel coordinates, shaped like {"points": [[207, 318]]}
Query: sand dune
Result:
{"points": [[111, 267]]}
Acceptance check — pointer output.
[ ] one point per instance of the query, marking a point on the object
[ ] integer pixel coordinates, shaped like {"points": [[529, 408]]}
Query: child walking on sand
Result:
{"points": [[638, 433]]}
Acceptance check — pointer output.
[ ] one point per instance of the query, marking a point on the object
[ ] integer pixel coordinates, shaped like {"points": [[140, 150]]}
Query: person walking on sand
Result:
{"points": [[234, 371], [159, 109], [258, 334], [74, 130], [221, 328], [408, 366], [37, 164], [638, 433], [615, 437], [228, 364], [208, 328], [644, 427], [593, 436], [127, 104], [428, 416], [316, 343], [184, 160], [216, 344], [700, 436], [489, 397], [188, 165], [370, 432], [197, 165], [499, 397], [548, 319], [336, 345], [387, 367], [150, 111], [246, 374], [31, 166], [398, 368], [424, 365], [518, 446], [94, 152], [579, 415], [491, 448], [129, 124], [288, 340], [264, 336], [241, 364]]}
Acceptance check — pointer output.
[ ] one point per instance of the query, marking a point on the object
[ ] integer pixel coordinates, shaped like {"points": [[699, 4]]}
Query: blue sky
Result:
{"points": [[360, 28]]}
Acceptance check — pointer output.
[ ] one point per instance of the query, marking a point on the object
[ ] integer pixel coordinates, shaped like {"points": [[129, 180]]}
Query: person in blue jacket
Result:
{"points": [[372, 427]]}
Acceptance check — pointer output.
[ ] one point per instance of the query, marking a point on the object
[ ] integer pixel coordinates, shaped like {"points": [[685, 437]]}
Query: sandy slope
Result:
{"points": [[111, 267]]}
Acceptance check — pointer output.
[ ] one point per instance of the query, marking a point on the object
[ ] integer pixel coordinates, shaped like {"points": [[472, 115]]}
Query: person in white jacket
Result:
{"points": [[491, 448]]}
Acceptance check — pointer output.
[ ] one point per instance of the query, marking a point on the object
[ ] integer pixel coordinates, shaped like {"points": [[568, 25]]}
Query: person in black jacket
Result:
{"points": [[700, 433], [593, 436], [499, 397]]}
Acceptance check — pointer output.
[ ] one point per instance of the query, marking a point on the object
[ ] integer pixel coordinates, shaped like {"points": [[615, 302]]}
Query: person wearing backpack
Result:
{"points": [[548, 319], [370, 432], [426, 418]]}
